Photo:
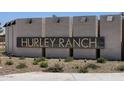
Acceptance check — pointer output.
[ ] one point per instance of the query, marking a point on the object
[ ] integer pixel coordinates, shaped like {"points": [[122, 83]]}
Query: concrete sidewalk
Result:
{"points": [[41, 76]]}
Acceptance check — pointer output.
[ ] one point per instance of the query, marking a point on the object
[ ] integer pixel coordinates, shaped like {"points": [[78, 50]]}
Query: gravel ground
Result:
{"points": [[69, 67]]}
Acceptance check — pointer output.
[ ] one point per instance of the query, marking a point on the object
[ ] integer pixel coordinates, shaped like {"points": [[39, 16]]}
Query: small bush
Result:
{"points": [[68, 59], [56, 68], [22, 58], [9, 63], [75, 67], [10, 57], [83, 70], [35, 63], [43, 59], [120, 68], [21, 66], [101, 60], [40, 59], [44, 64], [92, 66], [35, 59]]}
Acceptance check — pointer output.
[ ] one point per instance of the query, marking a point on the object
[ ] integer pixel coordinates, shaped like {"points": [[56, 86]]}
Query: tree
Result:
{"points": [[1, 29]]}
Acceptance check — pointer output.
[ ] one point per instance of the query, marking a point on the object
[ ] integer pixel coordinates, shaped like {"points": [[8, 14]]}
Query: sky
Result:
{"points": [[8, 16]]}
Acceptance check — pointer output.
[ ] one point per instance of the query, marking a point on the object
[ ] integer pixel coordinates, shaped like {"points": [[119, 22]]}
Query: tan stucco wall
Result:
{"points": [[112, 31], [24, 29], [53, 29], [88, 28], [7, 39], [68, 27], [10, 32]]}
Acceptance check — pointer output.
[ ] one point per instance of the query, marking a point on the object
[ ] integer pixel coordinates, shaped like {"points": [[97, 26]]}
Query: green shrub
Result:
{"points": [[43, 59], [21, 66], [44, 64], [120, 68], [9, 63], [22, 58], [56, 68], [83, 70], [40, 59], [35, 63], [68, 59], [101, 60], [92, 66]]}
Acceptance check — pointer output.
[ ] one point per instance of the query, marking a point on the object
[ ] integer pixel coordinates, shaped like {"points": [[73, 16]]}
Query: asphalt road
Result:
{"points": [[41, 76]]}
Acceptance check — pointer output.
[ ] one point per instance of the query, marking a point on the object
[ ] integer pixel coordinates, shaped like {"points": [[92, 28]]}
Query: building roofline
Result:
{"points": [[10, 22]]}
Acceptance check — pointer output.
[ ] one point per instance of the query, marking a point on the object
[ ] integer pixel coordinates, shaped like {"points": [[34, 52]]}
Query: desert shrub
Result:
{"points": [[35, 59], [22, 58], [43, 59], [40, 59], [83, 70], [56, 68], [92, 66], [9, 63], [68, 59], [10, 57], [75, 67], [120, 68], [35, 63], [101, 60], [44, 64], [21, 66]]}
